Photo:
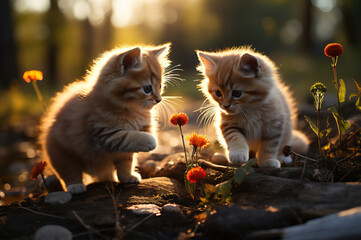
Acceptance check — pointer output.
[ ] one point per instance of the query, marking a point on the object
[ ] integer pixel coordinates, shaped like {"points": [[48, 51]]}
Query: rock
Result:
{"points": [[53, 183], [141, 209], [148, 168], [53, 232], [171, 208], [220, 159], [240, 221], [57, 198], [172, 166]]}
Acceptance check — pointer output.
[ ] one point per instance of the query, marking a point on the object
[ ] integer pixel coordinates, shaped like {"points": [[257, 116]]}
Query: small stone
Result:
{"points": [[147, 168], [57, 198], [171, 208], [53, 183], [144, 209], [220, 159], [53, 232]]}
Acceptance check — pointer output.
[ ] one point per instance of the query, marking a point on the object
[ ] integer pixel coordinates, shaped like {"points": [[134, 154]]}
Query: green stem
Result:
{"points": [[334, 59], [38, 94], [337, 88], [318, 128], [46, 185], [184, 146]]}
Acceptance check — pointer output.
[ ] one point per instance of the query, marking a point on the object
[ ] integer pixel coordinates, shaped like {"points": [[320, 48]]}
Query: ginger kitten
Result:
{"points": [[100, 122], [255, 110]]}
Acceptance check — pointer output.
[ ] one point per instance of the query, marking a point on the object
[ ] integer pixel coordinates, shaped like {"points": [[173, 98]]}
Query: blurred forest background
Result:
{"points": [[62, 37]]}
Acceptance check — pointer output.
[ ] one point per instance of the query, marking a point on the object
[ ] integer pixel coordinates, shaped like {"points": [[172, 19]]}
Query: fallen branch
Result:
{"points": [[42, 214]]}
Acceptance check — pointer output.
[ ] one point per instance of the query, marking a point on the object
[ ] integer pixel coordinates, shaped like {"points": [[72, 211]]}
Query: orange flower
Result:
{"points": [[194, 174], [333, 50], [179, 119], [197, 140], [33, 75], [37, 170]]}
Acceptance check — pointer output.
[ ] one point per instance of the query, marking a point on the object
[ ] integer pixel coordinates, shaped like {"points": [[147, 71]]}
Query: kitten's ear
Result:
{"points": [[161, 51], [249, 65], [207, 61], [130, 59]]}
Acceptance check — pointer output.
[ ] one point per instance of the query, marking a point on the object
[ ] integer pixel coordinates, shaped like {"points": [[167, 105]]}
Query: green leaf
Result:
{"points": [[239, 175], [312, 125], [225, 188], [358, 87], [358, 105], [353, 95], [342, 91], [325, 132], [248, 166], [342, 125]]}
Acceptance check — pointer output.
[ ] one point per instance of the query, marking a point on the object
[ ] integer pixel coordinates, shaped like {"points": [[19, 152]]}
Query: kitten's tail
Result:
{"points": [[299, 142]]}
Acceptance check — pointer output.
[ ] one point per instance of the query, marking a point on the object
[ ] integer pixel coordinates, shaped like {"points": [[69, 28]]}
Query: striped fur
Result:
{"points": [[96, 125], [262, 118]]}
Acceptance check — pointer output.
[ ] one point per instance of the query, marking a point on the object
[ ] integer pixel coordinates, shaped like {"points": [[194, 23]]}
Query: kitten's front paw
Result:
{"points": [[145, 143], [76, 188], [270, 163], [133, 178], [285, 159], [238, 157]]}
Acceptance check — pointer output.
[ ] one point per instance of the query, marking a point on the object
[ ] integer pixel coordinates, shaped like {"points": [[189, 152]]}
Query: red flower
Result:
{"points": [[33, 75], [333, 50], [195, 174], [179, 119], [197, 140], [37, 170]]}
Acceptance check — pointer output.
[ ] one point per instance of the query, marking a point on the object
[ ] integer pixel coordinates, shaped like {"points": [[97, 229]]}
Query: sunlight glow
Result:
{"points": [[32, 5], [123, 12], [324, 5], [81, 9]]}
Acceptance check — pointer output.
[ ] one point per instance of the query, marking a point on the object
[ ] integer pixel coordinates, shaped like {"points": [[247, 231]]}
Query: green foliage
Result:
{"points": [[342, 125], [239, 174], [312, 125], [342, 91], [318, 91], [358, 101]]}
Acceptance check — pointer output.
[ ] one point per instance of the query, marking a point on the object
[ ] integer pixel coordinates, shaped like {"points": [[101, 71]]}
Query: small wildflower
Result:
{"points": [[179, 119], [33, 75], [196, 174], [318, 87], [197, 140], [37, 170], [333, 50]]}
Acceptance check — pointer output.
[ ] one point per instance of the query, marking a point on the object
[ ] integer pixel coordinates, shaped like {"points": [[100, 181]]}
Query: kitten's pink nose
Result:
{"points": [[158, 99], [226, 106]]}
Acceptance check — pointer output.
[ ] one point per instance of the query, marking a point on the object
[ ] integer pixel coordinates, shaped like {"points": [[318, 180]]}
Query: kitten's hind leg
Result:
{"points": [[267, 155], [67, 168], [125, 169]]}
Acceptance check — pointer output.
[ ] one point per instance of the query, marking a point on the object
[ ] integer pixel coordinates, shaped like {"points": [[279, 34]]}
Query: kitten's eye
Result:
{"points": [[218, 93], [147, 89], [237, 93]]}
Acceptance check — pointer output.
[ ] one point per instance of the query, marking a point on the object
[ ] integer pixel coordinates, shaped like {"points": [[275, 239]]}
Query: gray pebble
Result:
{"points": [[57, 198], [53, 232]]}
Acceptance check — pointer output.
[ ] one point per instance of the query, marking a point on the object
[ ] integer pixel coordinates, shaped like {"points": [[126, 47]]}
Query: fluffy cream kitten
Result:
{"points": [[100, 122], [255, 110]]}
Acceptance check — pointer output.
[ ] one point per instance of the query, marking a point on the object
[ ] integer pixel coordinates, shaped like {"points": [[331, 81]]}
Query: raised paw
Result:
{"points": [[270, 163], [133, 178], [238, 157], [76, 188], [145, 143]]}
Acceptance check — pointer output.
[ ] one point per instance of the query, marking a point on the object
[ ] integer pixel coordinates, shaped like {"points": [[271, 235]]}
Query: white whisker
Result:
{"points": [[207, 113]]}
